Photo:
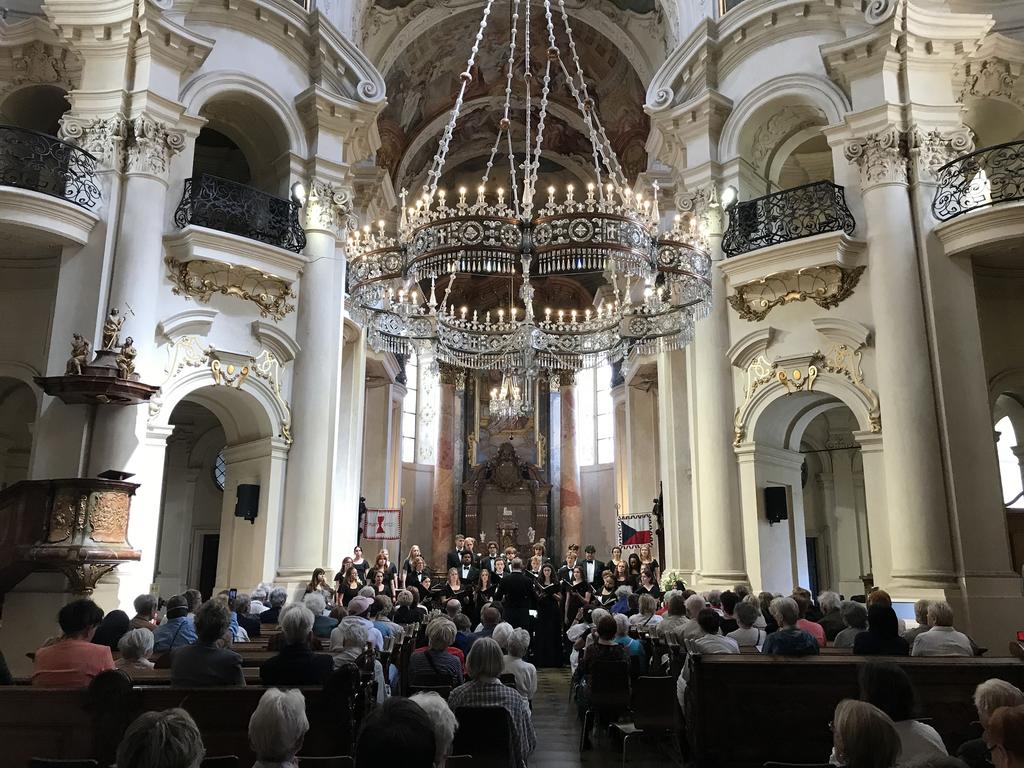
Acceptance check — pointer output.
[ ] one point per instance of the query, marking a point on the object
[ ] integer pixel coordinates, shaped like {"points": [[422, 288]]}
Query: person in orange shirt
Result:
{"points": [[73, 661]]}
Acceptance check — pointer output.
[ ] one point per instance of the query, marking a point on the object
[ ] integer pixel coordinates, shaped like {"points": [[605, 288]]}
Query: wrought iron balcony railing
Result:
{"points": [[782, 217], [227, 206], [990, 175], [41, 163]]}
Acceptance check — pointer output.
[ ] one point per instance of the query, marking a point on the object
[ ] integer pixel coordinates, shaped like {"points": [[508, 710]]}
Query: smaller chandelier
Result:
{"points": [[510, 401]]}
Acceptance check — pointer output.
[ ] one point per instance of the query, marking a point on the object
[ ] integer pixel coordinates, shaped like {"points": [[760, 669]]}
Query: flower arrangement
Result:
{"points": [[669, 579]]}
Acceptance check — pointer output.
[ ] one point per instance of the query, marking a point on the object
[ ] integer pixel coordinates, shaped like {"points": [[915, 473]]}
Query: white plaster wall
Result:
{"points": [[418, 525], [597, 492], [28, 288]]}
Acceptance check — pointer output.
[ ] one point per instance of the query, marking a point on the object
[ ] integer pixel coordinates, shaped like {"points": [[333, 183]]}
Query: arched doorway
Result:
{"points": [[36, 108], [222, 438], [1008, 415]]}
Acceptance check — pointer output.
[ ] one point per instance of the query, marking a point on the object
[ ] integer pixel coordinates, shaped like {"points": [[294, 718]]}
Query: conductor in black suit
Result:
{"points": [[517, 595], [592, 569]]}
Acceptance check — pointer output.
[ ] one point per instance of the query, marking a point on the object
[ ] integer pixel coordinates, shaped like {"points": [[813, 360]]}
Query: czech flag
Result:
{"points": [[635, 530]]}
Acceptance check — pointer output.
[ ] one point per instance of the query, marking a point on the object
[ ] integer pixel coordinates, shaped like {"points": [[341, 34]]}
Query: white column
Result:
{"points": [[343, 525], [721, 545], [875, 497], [678, 551], [641, 424], [622, 447], [847, 553], [310, 489]]}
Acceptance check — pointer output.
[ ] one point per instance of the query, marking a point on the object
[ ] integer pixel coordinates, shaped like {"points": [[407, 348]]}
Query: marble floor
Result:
{"points": [[558, 733]]}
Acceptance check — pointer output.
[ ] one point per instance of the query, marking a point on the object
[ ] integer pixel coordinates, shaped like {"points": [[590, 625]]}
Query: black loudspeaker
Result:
{"points": [[247, 502], [776, 504]]}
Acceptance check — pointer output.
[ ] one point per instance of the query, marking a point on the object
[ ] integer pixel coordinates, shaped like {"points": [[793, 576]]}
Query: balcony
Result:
{"points": [[48, 188], [980, 202]]}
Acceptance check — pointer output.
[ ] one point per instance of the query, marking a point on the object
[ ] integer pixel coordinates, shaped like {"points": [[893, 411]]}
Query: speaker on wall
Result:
{"points": [[776, 504], [247, 502]]}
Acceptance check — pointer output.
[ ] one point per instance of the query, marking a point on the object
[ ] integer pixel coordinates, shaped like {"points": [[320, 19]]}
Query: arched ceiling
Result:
{"points": [[423, 81]]}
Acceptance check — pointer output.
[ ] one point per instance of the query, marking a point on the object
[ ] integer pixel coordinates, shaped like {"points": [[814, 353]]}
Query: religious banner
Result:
{"points": [[634, 530], [383, 524]]}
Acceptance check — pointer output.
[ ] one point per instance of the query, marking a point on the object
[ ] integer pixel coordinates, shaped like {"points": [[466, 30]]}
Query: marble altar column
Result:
{"points": [[571, 512], [444, 473]]}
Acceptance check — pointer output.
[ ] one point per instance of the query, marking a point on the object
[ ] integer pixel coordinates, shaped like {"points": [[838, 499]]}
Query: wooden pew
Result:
{"points": [[743, 710]]}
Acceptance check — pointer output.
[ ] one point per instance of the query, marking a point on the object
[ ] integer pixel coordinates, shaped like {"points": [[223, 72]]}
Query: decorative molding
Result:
{"points": [[932, 149], [989, 78], [879, 11], [329, 207], [195, 322], [281, 343], [881, 157], [102, 137], [750, 347], [844, 360], [839, 330], [268, 367], [826, 286], [151, 146], [201, 278], [43, 64]]}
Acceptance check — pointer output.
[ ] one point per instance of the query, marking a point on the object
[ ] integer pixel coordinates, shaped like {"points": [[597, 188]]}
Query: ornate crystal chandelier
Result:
{"points": [[655, 282], [512, 400]]}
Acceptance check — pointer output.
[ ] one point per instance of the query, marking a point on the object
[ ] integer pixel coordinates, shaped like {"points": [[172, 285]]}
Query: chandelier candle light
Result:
{"points": [[656, 282]]}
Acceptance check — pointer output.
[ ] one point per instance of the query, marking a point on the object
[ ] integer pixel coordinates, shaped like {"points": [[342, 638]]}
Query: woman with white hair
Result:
{"points": [[831, 614], [647, 616], [296, 663], [169, 739], [788, 640], [348, 643], [941, 639], [988, 697], [435, 665], [501, 635], [323, 625], [483, 666], [278, 727], [442, 720], [278, 597], [523, 671], [135, 647]]}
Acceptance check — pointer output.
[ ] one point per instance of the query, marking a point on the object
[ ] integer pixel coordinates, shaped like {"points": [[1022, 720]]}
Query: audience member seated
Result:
{"points": [[674, 620], [764, 601], [358, 608], [941, 639], [442, 719], [883, 634], [73, 660], [136, 647], [206, 662], [278, 597], [622, 595], [855, 617], [711, 640], [145, 612], [405, 613], [831, 615], [514, 664], [167, 739], [436, 665], [278, 726], [747, 636], [501, 634], [248, 622], [295, 663], [483, 666], [728, 612], [463, 634], [863, 736], [113, 627], [988, 697], [348, 643], [813, 628], [1005, 737], [646, 617], [177, 629], [322, 625], [921, 617], [398, 732], [258, 601], [380, 615], [694, 605], [194, 598], [888, 687], [788, 640], [490, 617]]}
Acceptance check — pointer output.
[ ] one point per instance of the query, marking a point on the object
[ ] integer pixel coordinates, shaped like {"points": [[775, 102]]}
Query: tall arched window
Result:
{"points": [[1009, 465], [419, 412], [595, 417]]}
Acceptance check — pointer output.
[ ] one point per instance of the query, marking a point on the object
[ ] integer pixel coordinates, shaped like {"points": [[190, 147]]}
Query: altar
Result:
{"points": [[506, 498]]}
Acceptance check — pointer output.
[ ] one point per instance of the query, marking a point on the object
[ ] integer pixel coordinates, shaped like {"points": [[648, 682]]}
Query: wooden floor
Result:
{"points": [[558, 733]]}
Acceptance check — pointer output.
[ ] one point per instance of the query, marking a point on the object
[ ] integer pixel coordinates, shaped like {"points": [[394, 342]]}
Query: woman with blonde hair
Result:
{"points": [[409, 566], [863, 736], [647, 561]]}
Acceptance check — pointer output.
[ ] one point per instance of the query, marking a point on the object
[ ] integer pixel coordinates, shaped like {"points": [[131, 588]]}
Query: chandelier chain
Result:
{"points": [[535, 165], [504, 125]]}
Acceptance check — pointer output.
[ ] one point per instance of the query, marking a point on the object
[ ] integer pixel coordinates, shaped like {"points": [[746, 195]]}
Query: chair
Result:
{"points": [[507, 678], [52, 762], [487, 735], [222, 761], [338, 761], [441, 690], [651, 716], [609, 682]]}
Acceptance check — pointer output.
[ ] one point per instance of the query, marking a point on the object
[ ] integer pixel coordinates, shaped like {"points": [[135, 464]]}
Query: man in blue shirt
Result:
{"points": [[177, 629]]}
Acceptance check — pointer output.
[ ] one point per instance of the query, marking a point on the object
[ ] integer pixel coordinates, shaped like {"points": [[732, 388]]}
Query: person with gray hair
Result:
{"points": [[524, 672], [323, 625], [135, 646], [831, 614], [690, 629], [259, 600], [296, 663], [484, 665], [921, 617], [941, 639], [855, 617], [442, 719], [168, 739], [988, 697], [278, 597], [243, 613], [788, 640], [646, 617], [501, 634], [348, 643], [206, 662], [278, 727], [747, 635], [145, 612], [435, 664]]}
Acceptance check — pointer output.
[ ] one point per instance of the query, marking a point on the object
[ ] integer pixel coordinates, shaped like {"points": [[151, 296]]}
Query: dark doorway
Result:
{"points": [[208, 564], [812, 564]]}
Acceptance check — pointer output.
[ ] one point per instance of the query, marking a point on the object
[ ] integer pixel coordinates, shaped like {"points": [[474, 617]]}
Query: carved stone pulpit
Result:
{"points": [[509, 496]]}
